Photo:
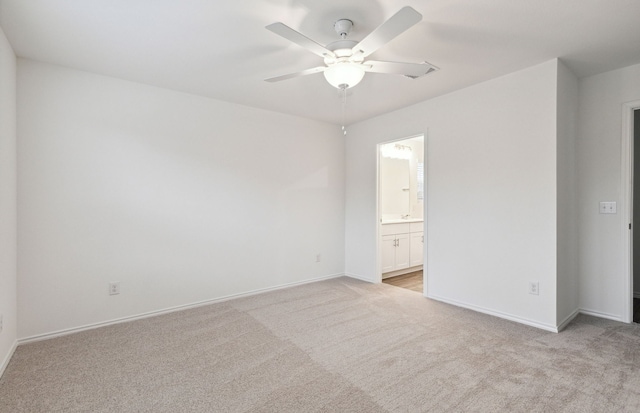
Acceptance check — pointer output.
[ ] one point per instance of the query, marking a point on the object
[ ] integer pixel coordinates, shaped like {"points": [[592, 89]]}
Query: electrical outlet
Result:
{"points": [[318, 257], [114, 288], [534, 287]]}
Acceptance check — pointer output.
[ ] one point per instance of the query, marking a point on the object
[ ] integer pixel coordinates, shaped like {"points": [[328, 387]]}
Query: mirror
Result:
{"points": [[402, 179], [394, 187]]}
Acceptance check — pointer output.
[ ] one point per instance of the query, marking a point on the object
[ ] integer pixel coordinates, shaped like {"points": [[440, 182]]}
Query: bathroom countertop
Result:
{"points": [[401, 221]]}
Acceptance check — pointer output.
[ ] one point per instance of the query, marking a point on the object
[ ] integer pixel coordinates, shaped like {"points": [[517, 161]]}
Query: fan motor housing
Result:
{"points": [[343, 50]]}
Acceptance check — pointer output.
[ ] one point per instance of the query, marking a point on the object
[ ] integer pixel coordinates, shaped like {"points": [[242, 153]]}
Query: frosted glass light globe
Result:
{"points": [[344, 75]]}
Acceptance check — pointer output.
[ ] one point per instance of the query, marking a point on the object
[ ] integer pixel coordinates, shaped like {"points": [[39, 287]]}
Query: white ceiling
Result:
{"points": [[220, 48]]}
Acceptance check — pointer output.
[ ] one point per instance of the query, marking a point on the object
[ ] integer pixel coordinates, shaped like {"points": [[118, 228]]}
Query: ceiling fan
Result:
{"points": [[344, 60]]}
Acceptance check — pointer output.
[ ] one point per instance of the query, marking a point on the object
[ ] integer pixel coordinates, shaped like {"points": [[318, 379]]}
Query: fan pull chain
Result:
{"points": [[343, 90]]}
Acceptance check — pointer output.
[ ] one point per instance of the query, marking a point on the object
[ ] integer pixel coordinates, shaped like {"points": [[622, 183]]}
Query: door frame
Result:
{"points": [[627, 229], [378, 232]]}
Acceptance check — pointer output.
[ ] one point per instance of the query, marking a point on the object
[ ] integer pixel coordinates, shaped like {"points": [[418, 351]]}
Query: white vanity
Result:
{"points": [[402, 246]]}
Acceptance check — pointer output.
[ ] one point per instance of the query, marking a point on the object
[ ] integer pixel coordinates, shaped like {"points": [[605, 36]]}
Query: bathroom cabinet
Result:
{"points": [[395, 252], [402, 246], [416, 243]]}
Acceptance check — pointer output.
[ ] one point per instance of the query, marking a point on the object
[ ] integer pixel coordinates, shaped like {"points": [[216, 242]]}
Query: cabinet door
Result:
{"points": [[402, 251], [388, 251], [417, 248]]}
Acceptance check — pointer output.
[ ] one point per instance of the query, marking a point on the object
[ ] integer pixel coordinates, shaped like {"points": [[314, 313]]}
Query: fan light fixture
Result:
{"points": [[344, 75], [345, 60]]}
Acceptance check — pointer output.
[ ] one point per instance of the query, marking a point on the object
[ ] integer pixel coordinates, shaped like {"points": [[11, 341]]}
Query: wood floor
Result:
{"points": [[411, 281]]}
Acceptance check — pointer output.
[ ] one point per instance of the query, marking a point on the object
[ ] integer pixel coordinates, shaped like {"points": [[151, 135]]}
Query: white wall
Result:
{"points": [[491, 193], [8, 271], [602, 278], [179, 198], [567, 189]]}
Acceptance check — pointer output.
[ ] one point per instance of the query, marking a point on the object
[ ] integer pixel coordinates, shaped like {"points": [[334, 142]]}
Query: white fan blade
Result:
{"points": [[412, 70], [297, 74], [398, 23], [299, 39]]}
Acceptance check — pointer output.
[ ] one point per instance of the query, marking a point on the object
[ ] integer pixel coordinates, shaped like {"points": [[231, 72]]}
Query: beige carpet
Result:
{"points": [[335, 346]]}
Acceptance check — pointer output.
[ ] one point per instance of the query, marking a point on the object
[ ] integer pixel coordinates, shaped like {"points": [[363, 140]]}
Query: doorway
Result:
{"points": [[401, 213], [631, 208], [635, 218]]}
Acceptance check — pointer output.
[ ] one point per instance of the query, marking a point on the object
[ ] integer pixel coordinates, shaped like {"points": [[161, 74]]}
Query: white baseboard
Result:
{"points": [[479, 309], [359, 277], [141, 316], [510, 317], [600, 314], [7, 359], [567, 320]]}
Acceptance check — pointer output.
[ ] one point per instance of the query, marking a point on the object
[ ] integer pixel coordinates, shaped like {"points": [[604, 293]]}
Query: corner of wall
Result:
{"points": [[8, 202], [182, 190], [567, 299]]}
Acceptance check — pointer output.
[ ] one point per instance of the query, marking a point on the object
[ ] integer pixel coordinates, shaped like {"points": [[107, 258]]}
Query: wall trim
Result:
{"points": [[568, 319], [73, 330], [141, 316], [359, 277], [8, 357], [510, 317], [601, 315]]}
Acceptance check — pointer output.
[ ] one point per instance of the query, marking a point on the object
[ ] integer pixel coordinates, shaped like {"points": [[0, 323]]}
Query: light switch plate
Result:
{"points": [[608, 207]]}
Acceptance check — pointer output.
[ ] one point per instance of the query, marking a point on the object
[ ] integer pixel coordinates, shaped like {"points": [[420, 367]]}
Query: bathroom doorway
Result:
{"points": [[630, 210], [635, 216], [401, 213]]}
